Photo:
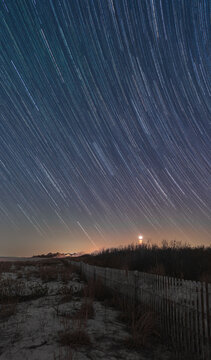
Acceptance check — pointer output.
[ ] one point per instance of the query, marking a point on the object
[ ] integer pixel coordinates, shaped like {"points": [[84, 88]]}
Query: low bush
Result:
{"points": [[18, 290]]}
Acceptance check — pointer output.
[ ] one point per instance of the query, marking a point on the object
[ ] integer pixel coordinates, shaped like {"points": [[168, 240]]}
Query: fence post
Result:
{"points": [[94, 274], [105, 277], [135, 287]]}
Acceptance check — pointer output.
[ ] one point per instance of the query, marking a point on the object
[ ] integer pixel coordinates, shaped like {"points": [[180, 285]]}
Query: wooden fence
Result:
{"points": [[184, 307]]}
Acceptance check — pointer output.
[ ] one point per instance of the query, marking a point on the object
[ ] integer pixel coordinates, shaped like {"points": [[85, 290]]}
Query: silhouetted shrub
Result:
{"points": [[175, 259]]}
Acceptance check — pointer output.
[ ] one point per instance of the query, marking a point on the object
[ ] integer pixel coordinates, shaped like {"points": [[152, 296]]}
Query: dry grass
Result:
{"points": [[76, 335], [20, 265], [65, 353], [10, 289], [126, 307], [54, 270], [66, 271], [86, 310], [66, 275], [7, 310], [206, 277], [5, 267], [65, 299], [78, 271], [48, 273], [63, 313], [67, 293], [75, 338], [96, 289], [141, 321], [157, 269], [143, 328]]}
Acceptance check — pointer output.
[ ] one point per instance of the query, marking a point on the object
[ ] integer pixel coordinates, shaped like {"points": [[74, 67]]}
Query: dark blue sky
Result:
{"points": [[105, 123]]}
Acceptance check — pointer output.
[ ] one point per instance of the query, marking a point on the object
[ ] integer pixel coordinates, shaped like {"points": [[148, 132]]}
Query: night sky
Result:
{"points": [[104, 123]]}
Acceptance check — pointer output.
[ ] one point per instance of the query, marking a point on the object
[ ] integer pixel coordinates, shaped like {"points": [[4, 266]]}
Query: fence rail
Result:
{"points": [[184, 307]]}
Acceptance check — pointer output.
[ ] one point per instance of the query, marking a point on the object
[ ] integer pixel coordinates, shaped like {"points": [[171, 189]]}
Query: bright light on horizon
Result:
{"points": [[140, 238]]}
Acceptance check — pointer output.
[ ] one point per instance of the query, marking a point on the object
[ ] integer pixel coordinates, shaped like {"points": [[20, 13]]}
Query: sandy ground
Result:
{"points": [[48, 307]]}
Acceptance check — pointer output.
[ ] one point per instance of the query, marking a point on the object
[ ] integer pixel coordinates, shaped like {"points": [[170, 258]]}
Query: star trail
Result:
{"points": [[105, 123]]}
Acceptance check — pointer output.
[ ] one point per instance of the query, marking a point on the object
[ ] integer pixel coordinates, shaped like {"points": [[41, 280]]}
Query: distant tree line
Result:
{"points": [[171, 259], [49, 255], [54, 255]]}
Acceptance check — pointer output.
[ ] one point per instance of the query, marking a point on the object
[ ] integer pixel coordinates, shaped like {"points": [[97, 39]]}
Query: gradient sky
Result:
{"points": [[105, 123]]}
